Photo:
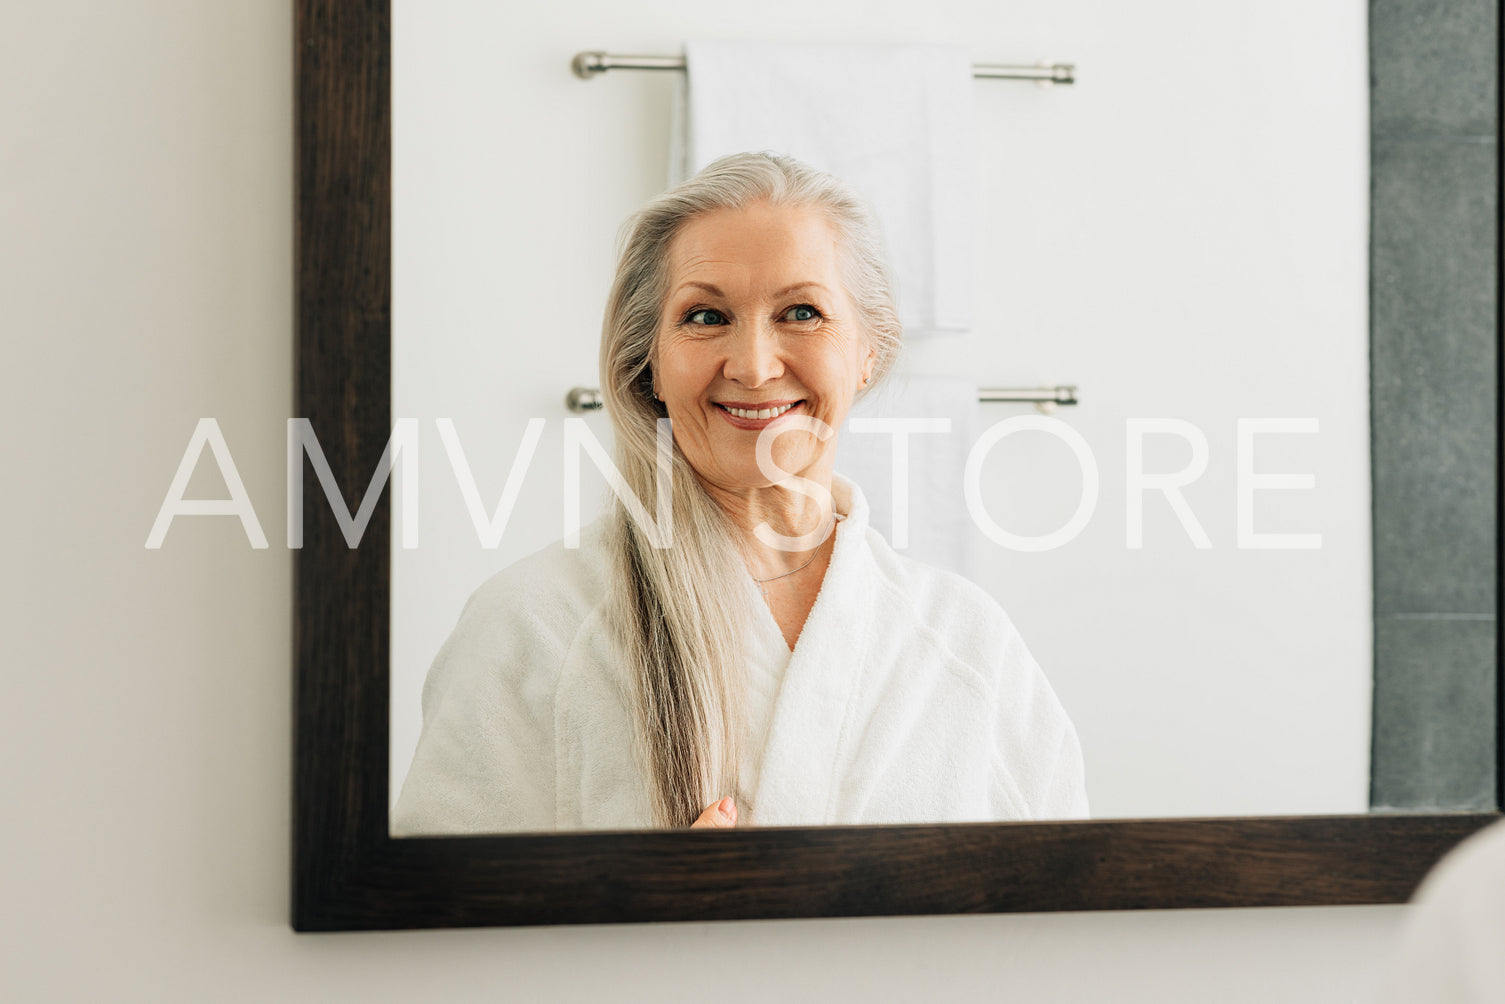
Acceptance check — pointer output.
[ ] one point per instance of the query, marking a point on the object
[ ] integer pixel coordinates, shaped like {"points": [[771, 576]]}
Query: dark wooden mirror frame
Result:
{"points": [[349, 874]]}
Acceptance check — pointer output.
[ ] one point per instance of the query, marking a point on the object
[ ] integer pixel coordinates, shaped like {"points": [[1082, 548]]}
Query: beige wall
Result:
{"points": [[145, 281]]}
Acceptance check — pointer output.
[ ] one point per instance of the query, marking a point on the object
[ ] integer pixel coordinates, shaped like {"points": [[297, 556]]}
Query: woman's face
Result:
{"points": [[757, 329]]}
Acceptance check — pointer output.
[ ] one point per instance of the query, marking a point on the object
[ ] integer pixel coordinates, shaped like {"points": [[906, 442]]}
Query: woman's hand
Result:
{"points": [[718, 815]]}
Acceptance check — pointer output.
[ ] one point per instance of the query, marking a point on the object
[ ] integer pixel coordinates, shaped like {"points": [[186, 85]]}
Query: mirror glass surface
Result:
{"points": [[1183, 235]]}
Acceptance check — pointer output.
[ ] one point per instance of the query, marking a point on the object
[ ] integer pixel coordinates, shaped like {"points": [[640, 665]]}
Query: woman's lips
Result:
{"points": [[775, 410]]}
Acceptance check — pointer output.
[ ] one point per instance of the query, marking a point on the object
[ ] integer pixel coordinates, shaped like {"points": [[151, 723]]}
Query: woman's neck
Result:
{"points": [[779, 528]]}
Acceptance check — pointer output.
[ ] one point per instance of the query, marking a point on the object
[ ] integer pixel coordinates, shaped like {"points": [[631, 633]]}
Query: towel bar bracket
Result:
{"points": [[583, 399]]}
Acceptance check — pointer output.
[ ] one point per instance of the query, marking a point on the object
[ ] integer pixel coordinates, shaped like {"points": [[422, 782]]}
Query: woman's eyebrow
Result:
{"points": [[696, 284], [799, 286], [716, 291]]}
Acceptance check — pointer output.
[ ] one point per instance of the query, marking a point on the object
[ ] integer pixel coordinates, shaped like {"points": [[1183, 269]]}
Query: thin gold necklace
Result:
{"points": [[763, 588]]}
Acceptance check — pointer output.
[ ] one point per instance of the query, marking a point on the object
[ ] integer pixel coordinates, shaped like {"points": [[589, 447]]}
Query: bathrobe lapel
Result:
{"points": [[808, 733]]}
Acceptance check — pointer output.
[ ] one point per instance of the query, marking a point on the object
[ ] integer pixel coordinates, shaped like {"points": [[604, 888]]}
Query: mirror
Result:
{"points": [[351, 875]]}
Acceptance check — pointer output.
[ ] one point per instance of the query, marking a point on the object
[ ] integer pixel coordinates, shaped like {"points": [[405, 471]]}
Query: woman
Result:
{"points": [[776, 663]]}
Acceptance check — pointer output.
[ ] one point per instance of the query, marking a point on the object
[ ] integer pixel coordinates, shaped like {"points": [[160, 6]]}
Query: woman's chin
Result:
{"points": [[748, 476]]}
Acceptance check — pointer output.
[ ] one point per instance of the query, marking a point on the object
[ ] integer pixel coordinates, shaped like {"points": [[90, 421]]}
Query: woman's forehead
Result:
{"points": [[761, 248]]}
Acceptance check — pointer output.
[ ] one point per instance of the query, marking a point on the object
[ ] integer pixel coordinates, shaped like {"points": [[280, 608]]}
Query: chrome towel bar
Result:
{"points": [[590, 64], [583, 399]]}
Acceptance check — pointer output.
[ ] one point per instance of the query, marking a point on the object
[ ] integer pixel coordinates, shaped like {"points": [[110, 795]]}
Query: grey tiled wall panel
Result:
{"points": [[1435, 708], [1433, 373], [1433, 344], [1432, 66]]}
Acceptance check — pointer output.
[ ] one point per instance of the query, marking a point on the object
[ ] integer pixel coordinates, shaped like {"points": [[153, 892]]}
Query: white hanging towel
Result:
{"points": [[928, 519], [894, 121]]}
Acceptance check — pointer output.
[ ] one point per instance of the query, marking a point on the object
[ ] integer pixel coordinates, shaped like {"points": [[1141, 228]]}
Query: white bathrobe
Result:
{"points": [[909, 698]]}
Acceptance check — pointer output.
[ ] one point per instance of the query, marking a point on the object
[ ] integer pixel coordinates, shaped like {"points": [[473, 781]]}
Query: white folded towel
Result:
{"points": [[934, 526], [894, 121]]}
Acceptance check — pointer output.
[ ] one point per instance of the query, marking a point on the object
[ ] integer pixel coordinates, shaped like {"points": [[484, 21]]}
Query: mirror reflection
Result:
{"points": [[1183, 556]]}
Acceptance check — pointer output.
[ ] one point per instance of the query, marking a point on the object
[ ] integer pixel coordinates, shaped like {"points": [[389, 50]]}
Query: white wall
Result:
{"points": [[145, 281], [1183, 233]]}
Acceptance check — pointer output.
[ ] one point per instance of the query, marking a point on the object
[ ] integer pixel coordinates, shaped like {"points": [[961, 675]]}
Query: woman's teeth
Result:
{"points": [[763, 413]]}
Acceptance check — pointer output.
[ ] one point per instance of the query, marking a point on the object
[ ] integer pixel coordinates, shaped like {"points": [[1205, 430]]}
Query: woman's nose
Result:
{"points": [[753, 356]]}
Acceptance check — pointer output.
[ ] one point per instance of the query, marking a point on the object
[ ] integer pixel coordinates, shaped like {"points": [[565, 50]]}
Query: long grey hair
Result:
{"points": [[680, 612]]}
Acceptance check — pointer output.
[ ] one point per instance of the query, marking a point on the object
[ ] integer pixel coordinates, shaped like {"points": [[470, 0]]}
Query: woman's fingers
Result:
{"points": [[718, 815]]}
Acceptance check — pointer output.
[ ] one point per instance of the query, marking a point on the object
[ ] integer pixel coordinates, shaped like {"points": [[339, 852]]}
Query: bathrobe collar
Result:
{"points": [[811, 715]]}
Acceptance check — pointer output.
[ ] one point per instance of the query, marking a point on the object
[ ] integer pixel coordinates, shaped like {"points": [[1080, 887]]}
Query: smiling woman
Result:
{"points": [[742, 670]]}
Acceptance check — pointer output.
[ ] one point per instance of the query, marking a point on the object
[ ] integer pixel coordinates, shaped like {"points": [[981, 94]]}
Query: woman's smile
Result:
{"points": [[753, 416]]}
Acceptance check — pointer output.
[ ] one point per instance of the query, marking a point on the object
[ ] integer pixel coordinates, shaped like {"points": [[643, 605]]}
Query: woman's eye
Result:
{"points": [[705, 315], [802, 312]]}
